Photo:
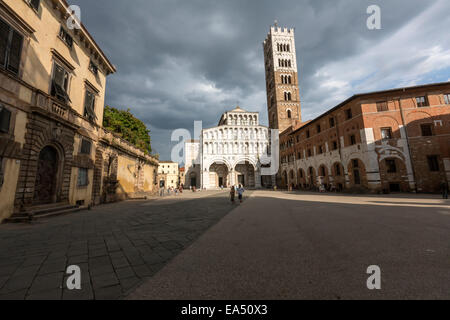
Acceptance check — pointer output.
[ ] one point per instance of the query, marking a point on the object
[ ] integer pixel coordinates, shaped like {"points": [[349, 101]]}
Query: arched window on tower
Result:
{"points": [[288, 48], [289, 114], [289, 63], [289, 79]]}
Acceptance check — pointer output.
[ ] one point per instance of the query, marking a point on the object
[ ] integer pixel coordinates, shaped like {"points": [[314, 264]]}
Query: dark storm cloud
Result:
{"points": [[185, 60]]}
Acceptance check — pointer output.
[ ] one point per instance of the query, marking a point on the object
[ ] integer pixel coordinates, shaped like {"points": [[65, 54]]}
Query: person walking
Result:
{"points": [[444, 189], [232, 194], [240, 192]]}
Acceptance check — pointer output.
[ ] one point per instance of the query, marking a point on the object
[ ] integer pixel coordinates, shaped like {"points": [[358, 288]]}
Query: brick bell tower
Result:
{"points": [[283, 95]]}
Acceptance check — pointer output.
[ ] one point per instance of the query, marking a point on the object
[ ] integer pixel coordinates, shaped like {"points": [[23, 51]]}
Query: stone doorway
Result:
{"points": [[245, 174], [218, 174], [46, 176], [241, 180]]}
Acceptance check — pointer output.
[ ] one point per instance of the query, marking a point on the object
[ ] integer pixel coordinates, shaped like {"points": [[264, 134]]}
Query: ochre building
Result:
{"points": [[53, 149]]}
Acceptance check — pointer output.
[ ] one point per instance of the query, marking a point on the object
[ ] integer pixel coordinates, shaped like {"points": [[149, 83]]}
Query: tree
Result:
{"points": [[128, 127]]}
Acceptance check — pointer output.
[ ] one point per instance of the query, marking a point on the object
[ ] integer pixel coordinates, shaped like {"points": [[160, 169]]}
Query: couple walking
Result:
{"points": [[240, 191]]}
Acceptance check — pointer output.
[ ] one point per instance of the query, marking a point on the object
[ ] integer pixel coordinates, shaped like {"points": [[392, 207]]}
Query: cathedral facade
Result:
{"points": [[229, 154]]}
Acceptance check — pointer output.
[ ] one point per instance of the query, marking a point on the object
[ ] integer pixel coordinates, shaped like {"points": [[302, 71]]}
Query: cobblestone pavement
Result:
{"points": [[116, 246], [301, 245]]}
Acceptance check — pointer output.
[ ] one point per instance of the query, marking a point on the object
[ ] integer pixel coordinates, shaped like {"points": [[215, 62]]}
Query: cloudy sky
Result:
{"points": [[184, 60]]}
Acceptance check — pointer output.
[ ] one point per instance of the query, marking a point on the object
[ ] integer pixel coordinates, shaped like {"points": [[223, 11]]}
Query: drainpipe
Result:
{"points": [[407, 143]]}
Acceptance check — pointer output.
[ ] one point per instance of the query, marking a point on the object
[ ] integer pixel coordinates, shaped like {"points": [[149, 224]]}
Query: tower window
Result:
{"points": [[289, 114], [319, 128]]}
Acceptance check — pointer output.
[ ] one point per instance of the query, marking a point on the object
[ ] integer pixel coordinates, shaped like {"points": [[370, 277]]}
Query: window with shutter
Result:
{"points": [[5, 119], [66, 37], [85, 147], [35, 4], [14, 52], [60, 83], [10, 47], [4, 36], [89, 106], [83, 177]]}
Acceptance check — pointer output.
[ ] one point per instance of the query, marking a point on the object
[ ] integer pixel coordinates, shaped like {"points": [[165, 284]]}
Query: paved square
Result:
{"points": [[315, 246], [276, 245], [116, 246]]}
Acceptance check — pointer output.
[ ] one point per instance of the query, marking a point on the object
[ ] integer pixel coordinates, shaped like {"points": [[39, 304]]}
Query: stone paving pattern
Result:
{"points": [[117, 246]]}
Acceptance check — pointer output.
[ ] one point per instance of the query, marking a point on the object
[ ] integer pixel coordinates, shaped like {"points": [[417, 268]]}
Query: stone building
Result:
{"points": [[168, 172], [182, 176], [54, 153], [283, 94], [386, 141], [230, 153], [192, 164]]}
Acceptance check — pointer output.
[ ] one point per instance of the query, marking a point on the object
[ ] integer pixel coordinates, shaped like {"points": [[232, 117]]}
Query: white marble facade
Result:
{"points": [[230, 153]]}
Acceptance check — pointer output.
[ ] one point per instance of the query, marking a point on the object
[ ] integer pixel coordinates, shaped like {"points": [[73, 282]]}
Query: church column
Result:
{"points": [[258, 178], [232, 177], [205, 179]]}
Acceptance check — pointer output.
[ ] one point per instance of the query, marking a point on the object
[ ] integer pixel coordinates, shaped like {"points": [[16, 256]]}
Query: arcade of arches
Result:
{"points": [[244, 173], [332, 178]]}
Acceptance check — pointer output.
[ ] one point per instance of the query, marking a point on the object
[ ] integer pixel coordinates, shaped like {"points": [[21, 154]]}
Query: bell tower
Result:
{"points": [[283, 95]]}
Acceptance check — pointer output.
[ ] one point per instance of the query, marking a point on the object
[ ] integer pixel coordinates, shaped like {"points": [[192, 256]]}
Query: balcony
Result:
{"points": [[52, 106]]}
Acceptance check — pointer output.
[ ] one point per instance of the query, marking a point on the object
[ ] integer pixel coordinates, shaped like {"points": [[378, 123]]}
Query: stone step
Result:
{"points": [[42, 212]]}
